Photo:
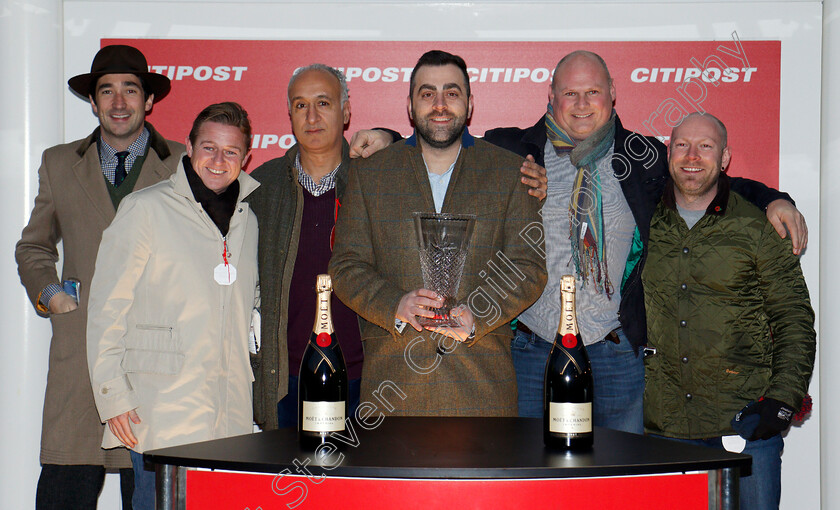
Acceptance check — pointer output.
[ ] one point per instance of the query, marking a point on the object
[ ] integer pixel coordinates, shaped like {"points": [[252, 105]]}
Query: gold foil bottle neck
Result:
{"points": [[567, 283], [324, 283], [323, 309], [568, 318]]}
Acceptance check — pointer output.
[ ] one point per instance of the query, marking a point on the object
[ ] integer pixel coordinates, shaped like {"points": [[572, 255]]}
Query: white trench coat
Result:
{"points": [[163, 336]]}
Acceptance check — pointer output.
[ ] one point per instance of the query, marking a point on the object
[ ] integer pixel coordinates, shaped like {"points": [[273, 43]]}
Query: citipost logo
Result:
{"points": [[200, 73]]}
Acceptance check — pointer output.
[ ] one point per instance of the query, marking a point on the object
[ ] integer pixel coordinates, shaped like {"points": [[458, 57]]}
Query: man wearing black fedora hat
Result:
{"points": [[80, 186]]}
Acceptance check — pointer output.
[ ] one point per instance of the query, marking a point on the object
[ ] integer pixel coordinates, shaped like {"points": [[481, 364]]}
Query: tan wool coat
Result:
{"points": [[73, 207], [375, 262], [164, 337]]}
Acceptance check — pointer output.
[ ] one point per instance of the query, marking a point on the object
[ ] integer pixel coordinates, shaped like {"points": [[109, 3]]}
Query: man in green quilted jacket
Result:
{"points": [[728, 314]]}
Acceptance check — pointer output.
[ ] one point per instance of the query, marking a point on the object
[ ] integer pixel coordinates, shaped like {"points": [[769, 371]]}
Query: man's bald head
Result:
{"points": [[582, 54], [582, 94]]}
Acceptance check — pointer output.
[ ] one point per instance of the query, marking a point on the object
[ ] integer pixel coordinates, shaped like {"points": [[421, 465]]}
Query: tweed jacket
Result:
{"points": [[73, 206], [375, 262], [163, 336], [644, 163], [278, 204], [728, 315]]}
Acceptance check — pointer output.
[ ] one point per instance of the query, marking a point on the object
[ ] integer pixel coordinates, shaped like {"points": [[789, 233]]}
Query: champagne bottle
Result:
{"points": [[567, 406], [322, 384]]}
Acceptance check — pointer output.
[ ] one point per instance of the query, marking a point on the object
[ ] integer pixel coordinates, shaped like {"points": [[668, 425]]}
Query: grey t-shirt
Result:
{"points": [[691, 217], [596, 314]]}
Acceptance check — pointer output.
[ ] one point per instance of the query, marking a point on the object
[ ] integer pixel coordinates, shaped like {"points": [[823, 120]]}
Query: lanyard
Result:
{"points": [[224, 273]]}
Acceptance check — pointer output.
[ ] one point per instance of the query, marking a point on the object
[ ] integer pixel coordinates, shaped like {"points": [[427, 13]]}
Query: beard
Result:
{"points": [[439, 137], [700, 186]]}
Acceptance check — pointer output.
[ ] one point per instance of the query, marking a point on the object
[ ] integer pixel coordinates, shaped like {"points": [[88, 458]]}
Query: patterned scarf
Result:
{"points": [[586, 218]]}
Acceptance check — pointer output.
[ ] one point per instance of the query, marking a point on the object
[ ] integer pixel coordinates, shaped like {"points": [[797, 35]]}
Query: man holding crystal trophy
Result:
{"points": [[431, 251]]}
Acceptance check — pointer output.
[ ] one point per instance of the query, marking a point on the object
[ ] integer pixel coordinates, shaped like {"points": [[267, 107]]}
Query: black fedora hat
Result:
{"points": [[120, 59]]}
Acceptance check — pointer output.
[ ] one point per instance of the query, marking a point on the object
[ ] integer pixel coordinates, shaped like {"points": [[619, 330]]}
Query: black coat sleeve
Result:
{"points": [[758, 193]]}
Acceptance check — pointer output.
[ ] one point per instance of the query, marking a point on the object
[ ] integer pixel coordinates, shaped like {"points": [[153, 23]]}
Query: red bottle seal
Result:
{"points": [[323, 340], [569, 341]]}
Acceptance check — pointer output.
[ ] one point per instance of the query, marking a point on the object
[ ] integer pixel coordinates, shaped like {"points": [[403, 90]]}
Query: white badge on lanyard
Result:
{"points": [[225, 273], [734, 444]]}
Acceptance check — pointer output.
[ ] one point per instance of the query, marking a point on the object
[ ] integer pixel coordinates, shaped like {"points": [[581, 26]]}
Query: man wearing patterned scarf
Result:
{"points": [[603, 185]]}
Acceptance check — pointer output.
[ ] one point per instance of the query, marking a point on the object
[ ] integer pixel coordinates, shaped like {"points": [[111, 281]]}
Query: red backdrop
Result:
{"points": [[737, 81]]}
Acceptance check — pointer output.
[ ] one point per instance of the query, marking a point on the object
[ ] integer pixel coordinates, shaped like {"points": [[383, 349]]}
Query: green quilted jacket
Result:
{"points": [[729, 316]]}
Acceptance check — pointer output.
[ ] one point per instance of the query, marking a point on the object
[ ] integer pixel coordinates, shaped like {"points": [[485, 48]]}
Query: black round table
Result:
{"points": [[407, 462]]}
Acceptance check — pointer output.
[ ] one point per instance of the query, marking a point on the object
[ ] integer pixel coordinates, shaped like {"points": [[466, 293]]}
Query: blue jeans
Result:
{"points": [[287, 408], [762, 489], [618, 375], [144, 484]]}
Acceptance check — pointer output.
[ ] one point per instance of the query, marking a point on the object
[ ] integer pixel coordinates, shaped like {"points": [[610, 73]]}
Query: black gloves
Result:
{"points": [[763, 419]]}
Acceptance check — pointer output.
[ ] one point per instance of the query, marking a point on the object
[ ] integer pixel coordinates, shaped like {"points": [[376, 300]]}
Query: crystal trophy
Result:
{"points": [[443, 242]]}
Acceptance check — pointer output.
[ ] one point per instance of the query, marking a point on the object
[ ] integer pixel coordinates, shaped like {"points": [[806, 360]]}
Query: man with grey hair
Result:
{"points": [[342, 81], [296, 206]]}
